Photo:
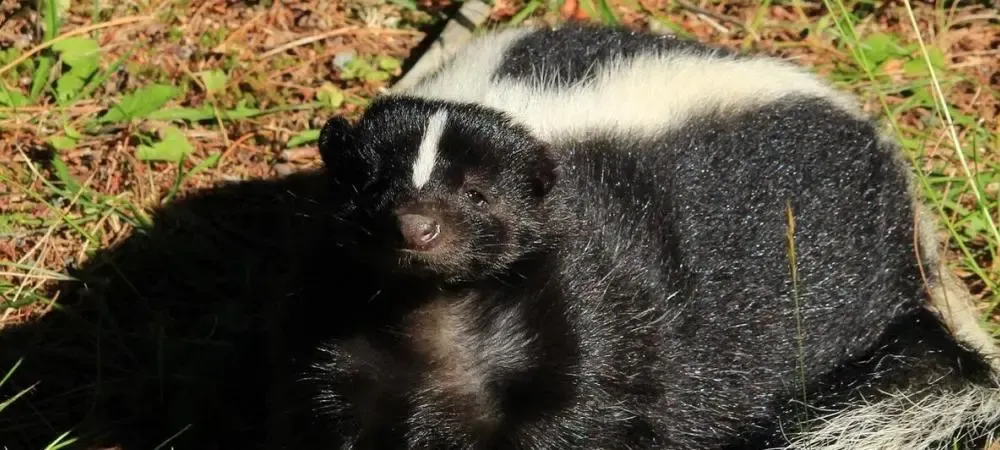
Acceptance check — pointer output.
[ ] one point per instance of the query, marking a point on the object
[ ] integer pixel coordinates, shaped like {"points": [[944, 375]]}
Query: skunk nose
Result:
{"points": [[419, 232]]}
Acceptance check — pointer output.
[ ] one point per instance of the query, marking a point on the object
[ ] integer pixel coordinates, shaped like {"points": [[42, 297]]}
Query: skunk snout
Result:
{"points": [[419, 232]]}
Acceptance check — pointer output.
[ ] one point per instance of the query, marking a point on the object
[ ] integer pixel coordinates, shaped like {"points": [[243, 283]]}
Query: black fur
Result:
{"points": [[576, 53], [480, 152], [661, 313]]}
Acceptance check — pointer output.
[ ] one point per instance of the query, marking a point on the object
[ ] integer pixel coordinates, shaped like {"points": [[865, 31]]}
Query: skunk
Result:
{"points": [[591, 237], [456, 189]]}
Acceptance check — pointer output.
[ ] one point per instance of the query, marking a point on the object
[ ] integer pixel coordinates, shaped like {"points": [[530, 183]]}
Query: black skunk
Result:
{"points": [[582, 238]]}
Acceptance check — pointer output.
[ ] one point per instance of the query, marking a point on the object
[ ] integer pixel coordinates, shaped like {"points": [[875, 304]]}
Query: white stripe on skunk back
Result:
{"points": [[643, 95]]}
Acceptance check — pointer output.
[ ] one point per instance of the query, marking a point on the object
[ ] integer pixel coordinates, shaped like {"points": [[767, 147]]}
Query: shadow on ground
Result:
{"points": [[174, 331]]}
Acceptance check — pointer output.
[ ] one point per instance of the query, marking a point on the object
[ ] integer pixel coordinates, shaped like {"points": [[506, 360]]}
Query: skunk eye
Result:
{"points": [[476, 198]]}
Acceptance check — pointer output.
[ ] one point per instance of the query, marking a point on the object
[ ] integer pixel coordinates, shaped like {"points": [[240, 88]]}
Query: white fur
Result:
{"points": [[639, 96], [423, 165], [903, 421]]}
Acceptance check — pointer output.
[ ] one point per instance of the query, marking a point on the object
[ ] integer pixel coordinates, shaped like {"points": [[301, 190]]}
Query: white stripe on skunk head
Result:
{"points": [[453, 190], [427, 152]]}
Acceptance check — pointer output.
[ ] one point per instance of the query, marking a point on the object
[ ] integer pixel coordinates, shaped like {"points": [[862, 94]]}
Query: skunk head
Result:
{"points": [[449, 190]]}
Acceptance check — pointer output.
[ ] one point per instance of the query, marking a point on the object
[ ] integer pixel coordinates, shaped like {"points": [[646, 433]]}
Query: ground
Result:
{"points": [[110, 110]]}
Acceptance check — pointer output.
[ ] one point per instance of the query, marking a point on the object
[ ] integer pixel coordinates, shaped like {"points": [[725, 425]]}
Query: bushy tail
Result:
{"points": [[907, 421], [931, 418]]}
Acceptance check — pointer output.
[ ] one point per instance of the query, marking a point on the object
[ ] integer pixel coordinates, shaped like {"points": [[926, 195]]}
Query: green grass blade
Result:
{"points": [[102, 76], [43, 68], [607, 14], [11, 372], [60, 443], [525, 12], [40, 80], [50, 17]]}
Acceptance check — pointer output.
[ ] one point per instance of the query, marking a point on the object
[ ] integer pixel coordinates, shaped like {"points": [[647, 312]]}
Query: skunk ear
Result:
{"points": [[335, 141], [349, 162], [545, 174]]}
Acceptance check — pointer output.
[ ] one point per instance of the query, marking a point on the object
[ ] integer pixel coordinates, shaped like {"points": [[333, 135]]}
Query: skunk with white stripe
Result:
{"points": [[580, 238]]}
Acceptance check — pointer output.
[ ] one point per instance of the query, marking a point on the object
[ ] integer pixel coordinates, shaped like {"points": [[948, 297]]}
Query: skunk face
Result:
{"points": [[441, 189]]}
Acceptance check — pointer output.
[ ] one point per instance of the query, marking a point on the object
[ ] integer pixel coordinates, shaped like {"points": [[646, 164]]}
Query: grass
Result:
{"points": [[111, 110]]}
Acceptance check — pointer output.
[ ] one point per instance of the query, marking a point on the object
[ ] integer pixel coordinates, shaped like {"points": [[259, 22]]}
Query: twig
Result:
{"points": [[713, 15], [78, 31], [233, 145], [975, 17], [59, 277], [82, 107], [224, 45], [329, 34], [714, 24]]}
